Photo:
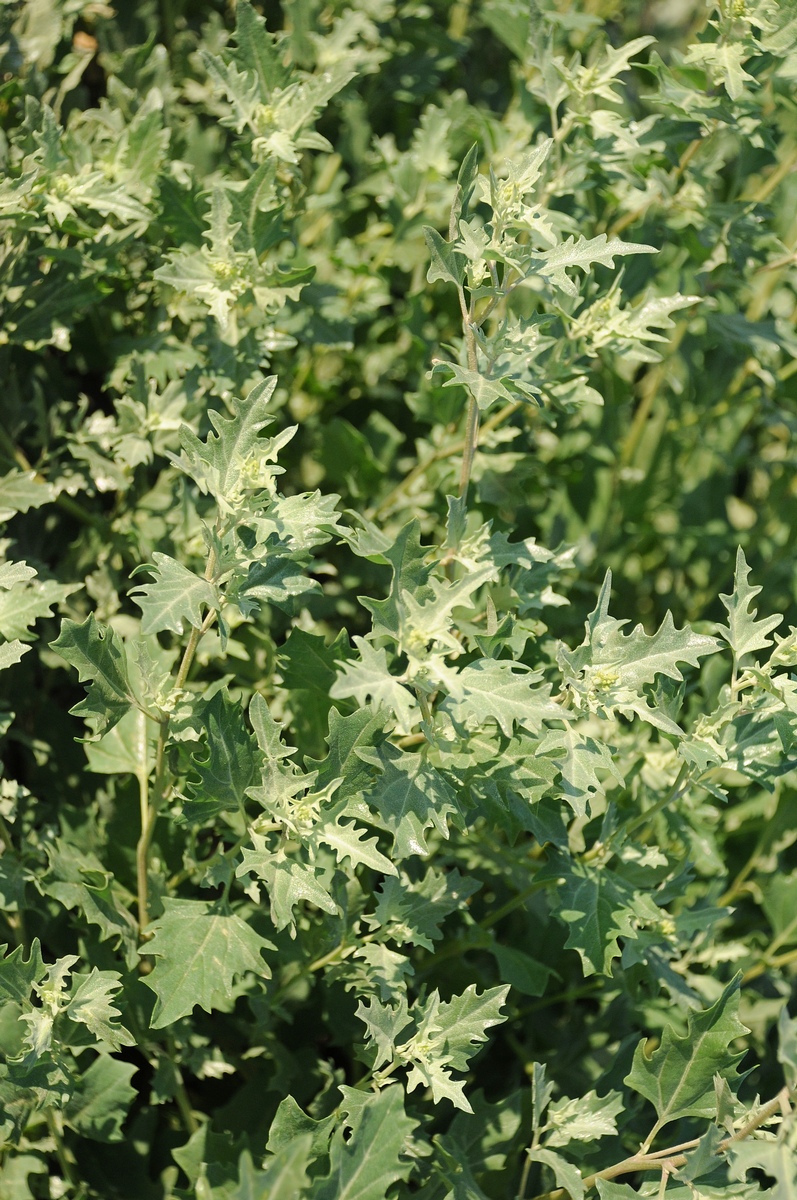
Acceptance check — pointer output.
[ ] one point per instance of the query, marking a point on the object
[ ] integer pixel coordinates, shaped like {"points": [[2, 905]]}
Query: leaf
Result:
{"points": [[17, 976], [609, 669], [744, 633], [365, 1164], [409, 798], [584, 252], [369, 678], [102, 1099], [584, 1119], [284, 1175], [579, 758], [308, 663], [485, 391], [21, 491], [448, 1035], [521, 971], [288, 882], [99, 656], [446, 265], [567, 1176], [220, 782], [26, 603], [598, 908], [347, 736], [350, 841], [11, 653], [200, 950], [291, 1122], [678, 1078], [493, 689], [175, 595], [413, 912], [91, 1004], [124, 748], [383, 1024], [226, 463]]}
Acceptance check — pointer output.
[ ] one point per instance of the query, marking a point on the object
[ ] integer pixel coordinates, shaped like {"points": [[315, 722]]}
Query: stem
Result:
{"points": [[190, 1122], [65, 1162], [5, 836], [471, 441], [675, 793], [766, 963], [674, 1156], [515, 902], [439, 456], [150, 809], [472, 418]]}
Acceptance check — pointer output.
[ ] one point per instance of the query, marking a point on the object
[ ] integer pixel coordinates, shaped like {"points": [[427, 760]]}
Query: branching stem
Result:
{"points": [[673, 1156]]}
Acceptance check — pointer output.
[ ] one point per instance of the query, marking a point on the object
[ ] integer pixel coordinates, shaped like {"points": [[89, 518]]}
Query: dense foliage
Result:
{"points": [[397, 599]]}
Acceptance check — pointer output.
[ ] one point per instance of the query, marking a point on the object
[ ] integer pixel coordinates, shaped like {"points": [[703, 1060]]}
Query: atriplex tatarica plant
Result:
{"points": [[345, 364]]}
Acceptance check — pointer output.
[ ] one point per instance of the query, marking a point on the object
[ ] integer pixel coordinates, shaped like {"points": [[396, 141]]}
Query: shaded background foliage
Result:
{"points": [[122, 319]]}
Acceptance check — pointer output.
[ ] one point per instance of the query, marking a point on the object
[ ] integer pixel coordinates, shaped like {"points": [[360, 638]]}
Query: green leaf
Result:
{"points": [[584, 1119], [289, 882], [678, 1078], [365, 1162], [175, 595], [609, 669], [448, 1035], [21, 491], [220, 782], [308, 663], [91, 1004], [99, 656], [17, 976], [124, 748], [200, 950], [369, 678], [350, 841], [102, 1099], [413, 912], [446, 265], [505, 692], [230, 463], [584, 252], [409, 798], [284, 1175], [567, 1176], [598, 908], [362, 730], [744, 633], [291, 1122], [485, 391], [11, 653], [26, 603]]}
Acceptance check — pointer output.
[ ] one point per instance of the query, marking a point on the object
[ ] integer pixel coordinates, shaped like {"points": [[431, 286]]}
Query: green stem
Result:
{"points": [[190, 1122], [64, 1160], [439, 456], [150, 808], [515, 902], [675, 792]]}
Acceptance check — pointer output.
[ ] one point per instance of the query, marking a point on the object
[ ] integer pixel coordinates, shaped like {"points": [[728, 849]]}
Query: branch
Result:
{"points": [[674, 1156]]}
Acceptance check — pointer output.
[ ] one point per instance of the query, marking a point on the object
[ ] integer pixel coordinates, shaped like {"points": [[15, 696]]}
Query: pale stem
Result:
{"points": [[674, 1156], [472, 417]]}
